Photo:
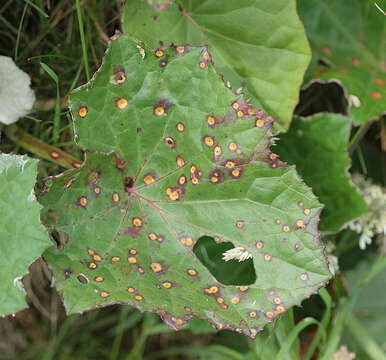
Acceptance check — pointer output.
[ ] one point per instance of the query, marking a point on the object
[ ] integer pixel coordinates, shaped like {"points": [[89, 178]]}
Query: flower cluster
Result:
{"points": [[373, 223], [237, 253]]}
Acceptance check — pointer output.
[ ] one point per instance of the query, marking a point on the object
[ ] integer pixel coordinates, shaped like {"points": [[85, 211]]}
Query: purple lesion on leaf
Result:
{"points": [[92, 178], [67, 273], [216, 176], [119, 77]]}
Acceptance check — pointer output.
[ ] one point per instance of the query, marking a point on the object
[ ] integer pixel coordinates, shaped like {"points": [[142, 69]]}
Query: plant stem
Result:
{"points": [[367, 343], [43, 150]]}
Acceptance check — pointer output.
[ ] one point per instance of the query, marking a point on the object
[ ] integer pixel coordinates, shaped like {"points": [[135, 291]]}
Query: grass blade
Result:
{"points": [[82, 39]]}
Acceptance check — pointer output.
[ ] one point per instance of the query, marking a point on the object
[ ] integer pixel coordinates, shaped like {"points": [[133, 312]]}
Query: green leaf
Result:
{"points": [[22, 238], [349, 36], [317, 145], [258, 45], [178, 156]]}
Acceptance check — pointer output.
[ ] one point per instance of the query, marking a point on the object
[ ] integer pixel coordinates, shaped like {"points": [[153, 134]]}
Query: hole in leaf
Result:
{"points": [[322, 97], [83, 279], [230, 272]]}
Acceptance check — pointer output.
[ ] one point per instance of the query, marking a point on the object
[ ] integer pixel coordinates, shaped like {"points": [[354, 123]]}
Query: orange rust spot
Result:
{"points": [[180, 161], [267, 257], [277, 300], [269, 314], [98, 279], [325, 50], [280, 309], [259, 244], [252, 314], [159, 53], [68, 183], [180, 127], [156, 267], [152, 236], [206, 56], [148, 179], [208, 140], [379, 82], [115, 197], [97, 190], [232, 146], [376, 95], [55, 155], [115, 259], [167, 284], [195, 181], [132, 260], [243, 288], [300, 224], [180, 49], [240, 113], [235, 105], [202, 64], [138, 297], [304, 277], [236, 173], [235, 300], [82, 112], [355, 61], [217, 151], [137, 222], [182, 179], [83, 201], [319, 71], [130, 289], [192, 272], [211, 120], [343, 70], [121, 103], [104, 294], [259, 123], [286, 228], [307, 211], [159, 111], [97, 257]]}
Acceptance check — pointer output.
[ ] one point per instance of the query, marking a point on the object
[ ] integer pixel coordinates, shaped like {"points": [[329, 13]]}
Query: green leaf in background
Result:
{"points": [[370, 307], [317, 145], [258, 45], [179, 156], [22, 237], [349, 37]]}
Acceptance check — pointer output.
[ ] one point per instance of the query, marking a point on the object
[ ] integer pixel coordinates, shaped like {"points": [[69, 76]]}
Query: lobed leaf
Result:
{"points": [[177, 156], [258, 45], [317, 145], [348, 43], [22, 238]]}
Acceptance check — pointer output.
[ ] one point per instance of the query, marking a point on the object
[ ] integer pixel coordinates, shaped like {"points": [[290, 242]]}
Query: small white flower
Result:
{"points": [[373, 223], [343, 354], [237, 253], [16, 96]]}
